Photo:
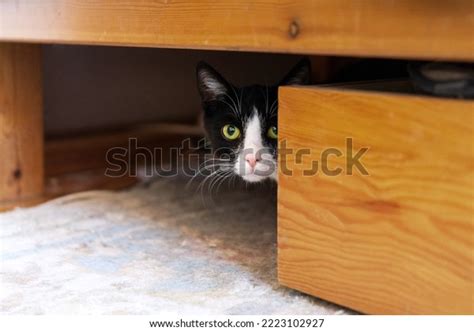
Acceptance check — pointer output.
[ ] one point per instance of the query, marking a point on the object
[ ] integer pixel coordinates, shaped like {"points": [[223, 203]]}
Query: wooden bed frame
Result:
{"points": [[374, 244]]}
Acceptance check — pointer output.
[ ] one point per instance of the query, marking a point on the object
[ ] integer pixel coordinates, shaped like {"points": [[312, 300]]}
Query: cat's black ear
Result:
{"points": [[211, 84], [300, 74]]}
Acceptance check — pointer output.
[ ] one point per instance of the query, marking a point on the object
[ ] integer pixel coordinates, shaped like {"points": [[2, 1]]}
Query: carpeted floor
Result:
{"points": [[156, 248]]}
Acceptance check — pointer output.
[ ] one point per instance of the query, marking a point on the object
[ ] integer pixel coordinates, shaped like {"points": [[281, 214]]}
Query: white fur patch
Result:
{"points": [[253, 133]]}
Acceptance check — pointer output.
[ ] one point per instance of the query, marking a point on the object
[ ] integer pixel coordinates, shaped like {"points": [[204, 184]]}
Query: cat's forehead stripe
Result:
{"points": [[253, 131]]}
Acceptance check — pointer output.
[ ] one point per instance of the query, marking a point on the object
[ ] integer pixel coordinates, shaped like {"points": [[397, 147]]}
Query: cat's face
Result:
{"points": [[241, 122]]}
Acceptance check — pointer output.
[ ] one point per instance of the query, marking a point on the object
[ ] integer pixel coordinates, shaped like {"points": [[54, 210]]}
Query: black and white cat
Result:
{"points": [[241, 122]]}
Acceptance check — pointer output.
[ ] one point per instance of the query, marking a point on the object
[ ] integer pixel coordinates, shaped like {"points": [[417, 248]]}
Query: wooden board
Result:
{"points": [[75, 163], [78, 152], [399, 240], [21, 122], [421, 29]]}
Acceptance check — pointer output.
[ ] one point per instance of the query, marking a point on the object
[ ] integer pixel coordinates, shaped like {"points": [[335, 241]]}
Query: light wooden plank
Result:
{"points": [[405, 28], [21, 122], [399, 240]]}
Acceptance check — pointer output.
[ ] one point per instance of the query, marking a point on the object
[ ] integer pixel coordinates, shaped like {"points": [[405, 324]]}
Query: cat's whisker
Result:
{"points": [[201, 184], [221, 164], [232, 100], [216, 161], [213, 170], [212, 177], [227, 178], [232, 108], [233, 179], [237, 106], [239, 100], [203, 166], [216, 180], [266, 100], [273, 107]]}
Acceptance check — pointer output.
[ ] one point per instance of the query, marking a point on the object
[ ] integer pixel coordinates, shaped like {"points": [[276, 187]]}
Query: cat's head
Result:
{"points": [[241, 122]]}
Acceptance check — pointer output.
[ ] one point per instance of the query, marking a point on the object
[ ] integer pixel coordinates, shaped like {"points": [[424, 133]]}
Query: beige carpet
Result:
{"points": [[156, 248]]}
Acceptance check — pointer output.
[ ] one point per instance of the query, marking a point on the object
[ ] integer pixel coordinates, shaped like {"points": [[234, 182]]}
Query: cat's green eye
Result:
{"points": [[272, 132], [230, 132]]}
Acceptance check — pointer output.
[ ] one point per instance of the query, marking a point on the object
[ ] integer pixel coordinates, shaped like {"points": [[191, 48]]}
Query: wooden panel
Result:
{"points": [[426, 29], [76, 163], [399, 240], [21, 122], [72, 153]]}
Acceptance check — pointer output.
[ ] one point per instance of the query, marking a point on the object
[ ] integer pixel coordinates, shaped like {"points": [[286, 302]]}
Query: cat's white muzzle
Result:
{"points": [[255, 171]]}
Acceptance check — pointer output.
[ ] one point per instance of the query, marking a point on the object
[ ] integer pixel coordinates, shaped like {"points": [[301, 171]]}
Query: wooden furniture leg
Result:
{"points": [[21, 124]]}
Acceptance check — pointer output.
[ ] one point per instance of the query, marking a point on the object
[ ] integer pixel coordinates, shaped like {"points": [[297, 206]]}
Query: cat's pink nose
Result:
{"points": [[251, 160]]}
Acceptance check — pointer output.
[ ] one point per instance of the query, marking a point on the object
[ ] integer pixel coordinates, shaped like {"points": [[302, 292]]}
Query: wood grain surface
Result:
{"points": [[399, 240], [21, 122], [405, 28]]}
